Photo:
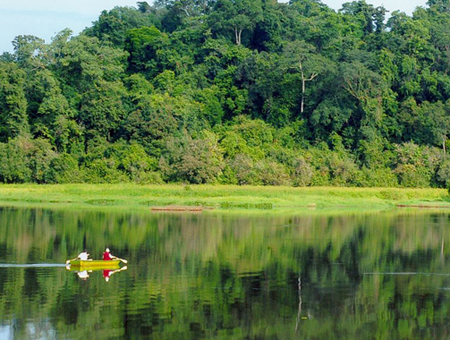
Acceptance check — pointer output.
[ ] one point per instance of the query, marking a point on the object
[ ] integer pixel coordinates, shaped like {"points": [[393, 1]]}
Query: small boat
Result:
{"points": [[95, 264]]}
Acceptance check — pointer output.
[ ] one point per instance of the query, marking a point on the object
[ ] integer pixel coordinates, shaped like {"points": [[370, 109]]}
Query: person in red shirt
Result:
{"points": [[107, 256]]}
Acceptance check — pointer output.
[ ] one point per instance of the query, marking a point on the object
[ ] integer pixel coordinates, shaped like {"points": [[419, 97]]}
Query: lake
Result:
{"points": [[226, 276]]}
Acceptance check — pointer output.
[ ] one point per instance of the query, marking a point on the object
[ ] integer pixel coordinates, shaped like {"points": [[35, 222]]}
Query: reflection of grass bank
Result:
{"points": [[221, 197]]}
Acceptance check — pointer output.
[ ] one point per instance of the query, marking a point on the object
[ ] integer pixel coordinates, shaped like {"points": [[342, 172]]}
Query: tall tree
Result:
{"points": [[367, 88], [13, 103], [300, 57], [236, 17]]}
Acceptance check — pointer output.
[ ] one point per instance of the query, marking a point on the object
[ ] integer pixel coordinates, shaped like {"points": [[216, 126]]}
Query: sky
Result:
{"points": [[45, 18]]}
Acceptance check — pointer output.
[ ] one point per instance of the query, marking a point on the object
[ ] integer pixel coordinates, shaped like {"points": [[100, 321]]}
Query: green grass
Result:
{"points": [[220, 197]]}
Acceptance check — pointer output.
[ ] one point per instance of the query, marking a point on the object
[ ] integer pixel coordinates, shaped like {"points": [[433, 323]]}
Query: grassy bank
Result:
{"points": [[219, 197]]}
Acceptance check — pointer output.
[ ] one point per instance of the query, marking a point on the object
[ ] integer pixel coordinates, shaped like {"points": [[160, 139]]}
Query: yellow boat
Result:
{"points": [[95, 264]]}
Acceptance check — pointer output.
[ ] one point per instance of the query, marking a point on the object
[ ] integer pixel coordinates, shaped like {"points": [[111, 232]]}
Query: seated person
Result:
{"points": [[83, 255], [107, 256]]}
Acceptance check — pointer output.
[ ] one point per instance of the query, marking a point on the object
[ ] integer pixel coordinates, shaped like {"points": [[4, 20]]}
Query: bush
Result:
{"points": [[138, 166], [149, 177], [415, 165], [14, 161], [40, 158], [25, 160], [335, 167], [344, 171], [64, 169], [443, 173], [228, 176], [411, 176], [256, 133], [242, 167], [127, 161], [303, 173], [321, 177], [379, 177], [271, 173], [193, 160], [103, 171]]}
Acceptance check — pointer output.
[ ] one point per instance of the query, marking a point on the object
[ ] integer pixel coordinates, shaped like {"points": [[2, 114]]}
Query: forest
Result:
{"points": [[233, 92]]}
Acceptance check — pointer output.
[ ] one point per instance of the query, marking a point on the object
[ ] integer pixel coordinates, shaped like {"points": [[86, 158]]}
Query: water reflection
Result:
{"points": [[361, 276], [84, 273]]}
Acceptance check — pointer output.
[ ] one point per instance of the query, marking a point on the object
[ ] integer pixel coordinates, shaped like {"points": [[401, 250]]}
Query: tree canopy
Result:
{"points": [[233, 91]]}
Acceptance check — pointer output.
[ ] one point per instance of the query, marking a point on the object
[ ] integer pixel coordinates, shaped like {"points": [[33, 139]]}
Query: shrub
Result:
{"points": [[25, 160], [335, 167], [40, 158], [411, 176], [321, 177], [303, 173], [256, 133], [242, 167], [269, 172], [344, 171], [149, 177], [138, 165], [416, 165], [443, 173], [378, 177], [103, 171], [64, 169], [228, 176], [14, 161], [128, 161], [192, 160], [233, 144]]}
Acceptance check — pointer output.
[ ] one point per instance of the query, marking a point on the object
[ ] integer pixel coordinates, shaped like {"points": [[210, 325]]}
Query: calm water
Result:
{"points": [[376, 276]]}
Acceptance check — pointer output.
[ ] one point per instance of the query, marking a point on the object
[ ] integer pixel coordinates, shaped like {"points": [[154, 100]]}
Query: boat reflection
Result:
{"points": [[108, 272], [84, 273]]}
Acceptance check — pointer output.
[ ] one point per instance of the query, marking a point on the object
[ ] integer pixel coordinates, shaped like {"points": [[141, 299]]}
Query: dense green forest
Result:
{"points": [[233, 92]]}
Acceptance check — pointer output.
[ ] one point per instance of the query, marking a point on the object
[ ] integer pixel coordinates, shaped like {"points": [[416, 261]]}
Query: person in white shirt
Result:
{"points": [[83, 255]]}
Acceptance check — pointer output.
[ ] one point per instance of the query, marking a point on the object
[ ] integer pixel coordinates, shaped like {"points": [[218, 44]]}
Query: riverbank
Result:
{"points": [[220, 197]]}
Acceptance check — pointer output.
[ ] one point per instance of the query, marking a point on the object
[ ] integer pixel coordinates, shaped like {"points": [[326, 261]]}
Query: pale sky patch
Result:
{"points": [[407, 6], [45, 18]]}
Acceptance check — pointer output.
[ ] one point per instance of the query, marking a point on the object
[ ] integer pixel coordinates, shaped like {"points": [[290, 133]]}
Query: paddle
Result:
{"points": [[68, 261], [117, 258]]}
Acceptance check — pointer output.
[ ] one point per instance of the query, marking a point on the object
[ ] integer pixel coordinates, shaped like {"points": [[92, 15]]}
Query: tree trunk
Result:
{"points": [[238, 35], [304, 80], [302, 105]]}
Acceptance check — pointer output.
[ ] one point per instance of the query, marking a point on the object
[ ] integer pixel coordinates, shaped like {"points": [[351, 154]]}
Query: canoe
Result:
{"points": [[95, 264]]}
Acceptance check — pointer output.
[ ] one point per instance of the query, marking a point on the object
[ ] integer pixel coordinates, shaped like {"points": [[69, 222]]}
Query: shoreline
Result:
{"points": [[215, 198]]}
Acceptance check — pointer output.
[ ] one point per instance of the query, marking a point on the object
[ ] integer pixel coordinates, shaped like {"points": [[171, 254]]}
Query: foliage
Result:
{"points": [[193, 160], [64, 169], [291, 94]]}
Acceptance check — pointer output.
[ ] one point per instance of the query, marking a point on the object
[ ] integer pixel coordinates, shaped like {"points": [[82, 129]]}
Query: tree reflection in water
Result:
{"points": [[227, 277]]}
